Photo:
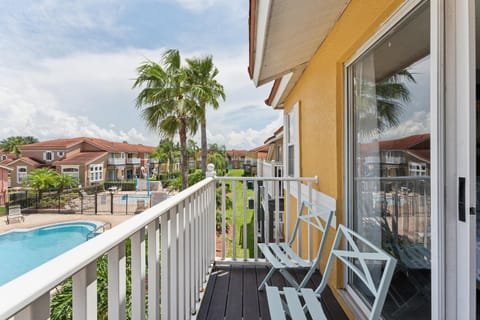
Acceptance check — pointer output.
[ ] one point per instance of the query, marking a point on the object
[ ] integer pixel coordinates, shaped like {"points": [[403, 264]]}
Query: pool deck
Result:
{"points": [[37, 220]]}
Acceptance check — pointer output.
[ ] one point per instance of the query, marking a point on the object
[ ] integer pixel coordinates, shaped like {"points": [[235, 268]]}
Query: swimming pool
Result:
{"points": [[24, 250]]}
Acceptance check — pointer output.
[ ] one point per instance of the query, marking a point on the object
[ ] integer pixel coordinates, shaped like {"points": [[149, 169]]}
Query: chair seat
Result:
{"points": [[280, 255], [293, 304]]}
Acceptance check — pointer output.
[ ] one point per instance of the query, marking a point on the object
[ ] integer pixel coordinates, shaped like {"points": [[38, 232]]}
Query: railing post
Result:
{"points": [[117, 288], [255, 219], [37, 310], [84, 292], [138, 274], [165, 272], [234, 220], [153, 270], [224, 220], [245, 239]]}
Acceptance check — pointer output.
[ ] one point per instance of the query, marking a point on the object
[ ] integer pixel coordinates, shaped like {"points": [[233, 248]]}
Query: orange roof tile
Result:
{"points": [[26, 160], [81, 158]]}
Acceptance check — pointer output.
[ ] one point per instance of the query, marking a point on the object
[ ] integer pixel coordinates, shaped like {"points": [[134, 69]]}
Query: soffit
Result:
{"points": [[293, 31]]}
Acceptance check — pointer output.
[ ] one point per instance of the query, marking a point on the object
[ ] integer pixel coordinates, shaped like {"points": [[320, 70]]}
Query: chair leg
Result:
{"points": [[267, 277], [289, 278], [306, 278]]}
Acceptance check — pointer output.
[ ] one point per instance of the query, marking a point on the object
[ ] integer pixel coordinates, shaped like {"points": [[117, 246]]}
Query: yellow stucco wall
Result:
{"points": [[320, 92]]}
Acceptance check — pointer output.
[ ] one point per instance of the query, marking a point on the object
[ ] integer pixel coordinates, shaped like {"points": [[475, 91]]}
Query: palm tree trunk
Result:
{"points": [[203, 136], [183, 152]]}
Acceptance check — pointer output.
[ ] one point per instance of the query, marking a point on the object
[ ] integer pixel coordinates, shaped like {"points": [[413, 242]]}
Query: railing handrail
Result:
{"points": [[306, 179], [24, 290]]}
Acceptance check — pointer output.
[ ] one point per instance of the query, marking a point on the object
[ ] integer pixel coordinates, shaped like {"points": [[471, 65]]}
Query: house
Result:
{"points": [[236, 158], [354, 80], [4, 175], [399, 167], [275, 143], [90, 160], [258, 153]]}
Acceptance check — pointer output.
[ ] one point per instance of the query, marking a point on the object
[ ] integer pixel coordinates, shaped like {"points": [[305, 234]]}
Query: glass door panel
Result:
{"points": [[390, 161]]}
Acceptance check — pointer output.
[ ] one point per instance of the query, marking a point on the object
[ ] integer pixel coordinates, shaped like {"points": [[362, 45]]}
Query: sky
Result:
{"points": [[67, 67]]}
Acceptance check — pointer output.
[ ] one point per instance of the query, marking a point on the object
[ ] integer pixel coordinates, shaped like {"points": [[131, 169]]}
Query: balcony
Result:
{"points": [[192, 273], [133, 160], [116, 161]]}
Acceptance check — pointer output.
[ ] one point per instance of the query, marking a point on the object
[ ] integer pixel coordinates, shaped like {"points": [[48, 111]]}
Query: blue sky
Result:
{"points": [[67, 67]]}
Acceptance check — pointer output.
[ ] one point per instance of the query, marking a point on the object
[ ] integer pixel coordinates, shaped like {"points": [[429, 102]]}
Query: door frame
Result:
{"points": [[459, 154]]}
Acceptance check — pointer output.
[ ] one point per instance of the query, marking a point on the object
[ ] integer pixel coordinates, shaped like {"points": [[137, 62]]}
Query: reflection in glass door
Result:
{"points": [[390, 161]]}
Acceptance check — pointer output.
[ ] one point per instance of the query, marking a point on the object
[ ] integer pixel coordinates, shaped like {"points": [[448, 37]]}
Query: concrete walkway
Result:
{"points": [[37, 220]]}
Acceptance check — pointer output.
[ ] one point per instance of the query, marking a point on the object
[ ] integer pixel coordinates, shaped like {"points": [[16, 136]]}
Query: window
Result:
{"points": [[21, 174], [292, 143], [96, 172], [60, 154], [72, 171], [122, 155], [48, 156], [388, 190], [4, 157]]}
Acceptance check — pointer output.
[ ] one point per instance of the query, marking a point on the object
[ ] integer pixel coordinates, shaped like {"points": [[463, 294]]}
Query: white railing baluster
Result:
{"points": [[188, 260], [37, 310], [255, 219], [117, 283], [181, 261], [309, 232], [286, 209], [164, 268], [224, 221], [138, 274], [299, 201], [234, 220], [198, 281], [213, 217], [173, 288], [277, 211], [245, 204], [84, 293], [266, 214], [153, 270]]}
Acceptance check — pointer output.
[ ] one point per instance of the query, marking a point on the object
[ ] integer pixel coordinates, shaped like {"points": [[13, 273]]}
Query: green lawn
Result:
{"points": [[3, 211], [239, 223]]}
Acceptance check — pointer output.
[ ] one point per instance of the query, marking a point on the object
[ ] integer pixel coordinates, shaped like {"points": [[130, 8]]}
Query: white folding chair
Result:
{"points": [[282, 256], [358, 251]]}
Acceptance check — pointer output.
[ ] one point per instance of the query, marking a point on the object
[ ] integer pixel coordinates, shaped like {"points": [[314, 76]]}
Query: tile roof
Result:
{"points": [[263, 148], [237, 152], [419, 142], [26, 160], [101, 144], [81, 158]]}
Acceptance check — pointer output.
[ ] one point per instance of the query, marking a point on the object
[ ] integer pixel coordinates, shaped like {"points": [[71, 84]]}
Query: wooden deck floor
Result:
{"points": [[232, 293]]}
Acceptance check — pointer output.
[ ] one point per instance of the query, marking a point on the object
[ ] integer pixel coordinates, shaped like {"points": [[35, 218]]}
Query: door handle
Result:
{"points": [[461, 199]]}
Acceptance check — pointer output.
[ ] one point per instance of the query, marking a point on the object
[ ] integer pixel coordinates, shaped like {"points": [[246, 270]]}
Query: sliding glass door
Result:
{"points": [[389, 160]]}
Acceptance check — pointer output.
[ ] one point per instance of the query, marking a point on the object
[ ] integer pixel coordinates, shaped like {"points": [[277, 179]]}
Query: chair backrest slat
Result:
{"points": [[354, 243]]}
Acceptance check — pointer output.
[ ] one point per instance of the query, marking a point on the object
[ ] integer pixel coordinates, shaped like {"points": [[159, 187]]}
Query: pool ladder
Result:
{"points": [[103, 227]]}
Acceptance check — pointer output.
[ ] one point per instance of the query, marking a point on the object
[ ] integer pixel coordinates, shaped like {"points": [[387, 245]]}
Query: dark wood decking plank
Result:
{"points": [[235, 294], [262, 297], [220, 294], [207, 298], [250, 293]]}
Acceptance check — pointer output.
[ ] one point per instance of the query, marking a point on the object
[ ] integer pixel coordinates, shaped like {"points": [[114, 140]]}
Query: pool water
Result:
{"points": [[22, 251]]}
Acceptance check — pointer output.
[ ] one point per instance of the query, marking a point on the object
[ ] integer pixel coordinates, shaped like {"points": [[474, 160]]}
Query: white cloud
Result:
{"points": [[418, 123], [203, 5], [90, 94]]}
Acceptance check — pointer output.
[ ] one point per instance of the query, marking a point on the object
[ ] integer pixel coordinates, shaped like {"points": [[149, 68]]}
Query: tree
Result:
{"points": [[168, 152], [376, 113], [11, 144], [192, 149], [166, 102], [64, 181], [41, 180], [206, 90]]}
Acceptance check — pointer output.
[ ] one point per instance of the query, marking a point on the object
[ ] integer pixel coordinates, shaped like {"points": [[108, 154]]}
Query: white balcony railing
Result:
{"points": [[180, 236], [272, 169], [267, 226], [116, 161], [133, 160]]}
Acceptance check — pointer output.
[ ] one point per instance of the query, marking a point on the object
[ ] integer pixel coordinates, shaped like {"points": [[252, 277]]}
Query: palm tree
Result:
{"points": [[64, 181], [192, 150], [11, 144], [376, 113], [206, 91], [168, 152], [165, 99], [40, 180]]}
